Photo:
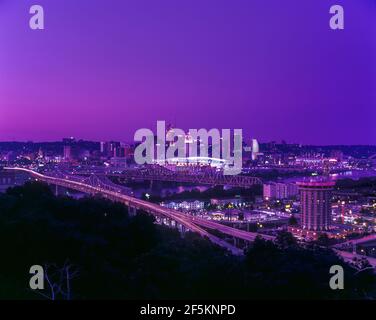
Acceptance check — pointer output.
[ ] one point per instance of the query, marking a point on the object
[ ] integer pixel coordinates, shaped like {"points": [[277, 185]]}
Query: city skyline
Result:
{"points": [[131, 142], [158, 152], [117, 68]]}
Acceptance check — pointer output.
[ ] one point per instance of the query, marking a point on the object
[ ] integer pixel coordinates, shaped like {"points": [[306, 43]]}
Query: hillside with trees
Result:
{"points": [[92, 249]]}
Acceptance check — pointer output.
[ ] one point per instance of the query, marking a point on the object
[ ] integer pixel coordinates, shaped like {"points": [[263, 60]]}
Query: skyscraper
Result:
{"points": [[316, 205], [67, 153]]}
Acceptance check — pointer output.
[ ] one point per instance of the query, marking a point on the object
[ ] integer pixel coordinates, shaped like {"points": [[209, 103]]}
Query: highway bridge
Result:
{"points": [[96, 185], [350, 256], [354, 242], [160, 173]]}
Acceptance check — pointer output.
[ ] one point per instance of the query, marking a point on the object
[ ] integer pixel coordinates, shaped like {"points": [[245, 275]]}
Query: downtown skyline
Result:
{"points": [[119, 67], [188, 157]]}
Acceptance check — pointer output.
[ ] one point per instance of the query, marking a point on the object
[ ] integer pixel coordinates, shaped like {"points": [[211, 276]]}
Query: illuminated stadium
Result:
{"points": [[195, 161]]}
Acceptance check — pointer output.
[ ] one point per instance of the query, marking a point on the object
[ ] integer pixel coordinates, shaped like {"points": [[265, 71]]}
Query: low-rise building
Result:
{"points": [[184, 205], [278, 190], [7, 179]]}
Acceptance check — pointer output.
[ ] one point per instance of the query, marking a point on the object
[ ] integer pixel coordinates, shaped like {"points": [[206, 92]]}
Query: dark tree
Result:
{"points": [[92, 249], [293, 221]]}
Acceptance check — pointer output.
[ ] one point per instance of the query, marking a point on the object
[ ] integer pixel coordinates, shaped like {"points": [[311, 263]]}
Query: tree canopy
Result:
{"points": [[116, 256]]}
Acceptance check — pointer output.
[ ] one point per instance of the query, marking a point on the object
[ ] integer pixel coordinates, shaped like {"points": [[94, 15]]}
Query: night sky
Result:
{"points": [[104, 68]]}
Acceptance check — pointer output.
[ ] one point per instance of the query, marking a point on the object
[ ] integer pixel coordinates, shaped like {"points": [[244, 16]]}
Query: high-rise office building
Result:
{"points": [[69, 141], [108, 149], [67, 153], [316, 205]]}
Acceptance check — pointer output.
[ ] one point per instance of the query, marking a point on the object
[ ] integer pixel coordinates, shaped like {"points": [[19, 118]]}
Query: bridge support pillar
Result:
{"points": [[183, 230], [58, 190], [132, 211], [236, 242]]}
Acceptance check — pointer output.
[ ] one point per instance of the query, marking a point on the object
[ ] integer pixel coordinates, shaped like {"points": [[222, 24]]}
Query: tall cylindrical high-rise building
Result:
{"points": [[315, 199]]}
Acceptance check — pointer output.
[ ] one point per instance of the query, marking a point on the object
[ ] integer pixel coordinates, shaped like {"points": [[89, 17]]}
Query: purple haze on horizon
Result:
{"points": [[104, 68]]}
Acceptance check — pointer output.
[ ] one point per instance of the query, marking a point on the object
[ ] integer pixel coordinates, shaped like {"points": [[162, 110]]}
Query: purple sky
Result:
{"points": [[104, 68]]}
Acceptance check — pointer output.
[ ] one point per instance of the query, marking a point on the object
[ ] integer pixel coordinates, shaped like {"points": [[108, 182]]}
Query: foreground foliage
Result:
{"points": [[111, 255]]}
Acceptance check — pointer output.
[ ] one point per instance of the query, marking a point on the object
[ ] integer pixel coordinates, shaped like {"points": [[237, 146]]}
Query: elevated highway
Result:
{"points": [[94, 185]]}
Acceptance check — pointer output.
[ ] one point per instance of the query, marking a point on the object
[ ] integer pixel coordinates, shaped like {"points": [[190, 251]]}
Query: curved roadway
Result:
{"points": [[194, 224]]}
